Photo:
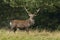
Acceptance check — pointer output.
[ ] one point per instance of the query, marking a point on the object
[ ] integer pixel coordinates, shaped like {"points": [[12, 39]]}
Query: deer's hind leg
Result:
{"points": [[14, 29], [27, 30]]}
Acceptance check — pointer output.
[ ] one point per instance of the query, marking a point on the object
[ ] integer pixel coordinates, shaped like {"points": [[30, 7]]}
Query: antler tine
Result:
{"points": [[26, 10], [37, 10]]}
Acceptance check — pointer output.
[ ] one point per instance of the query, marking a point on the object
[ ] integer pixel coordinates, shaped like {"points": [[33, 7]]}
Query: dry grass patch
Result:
{"points": [[33, 35]]}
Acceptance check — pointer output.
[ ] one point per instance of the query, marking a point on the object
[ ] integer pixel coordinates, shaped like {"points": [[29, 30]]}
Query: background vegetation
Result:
{"points": [[48, 17]]}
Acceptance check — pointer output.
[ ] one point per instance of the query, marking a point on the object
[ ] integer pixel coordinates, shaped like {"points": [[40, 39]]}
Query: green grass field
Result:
{"points": [[33, 35]]}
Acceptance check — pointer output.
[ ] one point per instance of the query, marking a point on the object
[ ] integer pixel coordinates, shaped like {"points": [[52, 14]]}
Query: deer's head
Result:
{"points": [[32, 15]]}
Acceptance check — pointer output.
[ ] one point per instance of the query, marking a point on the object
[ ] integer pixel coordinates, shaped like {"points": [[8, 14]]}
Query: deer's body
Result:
{"points": [[22, 23]]}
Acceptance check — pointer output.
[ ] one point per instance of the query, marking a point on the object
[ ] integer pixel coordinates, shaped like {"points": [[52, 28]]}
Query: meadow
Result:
{"points": [[33, 35]]}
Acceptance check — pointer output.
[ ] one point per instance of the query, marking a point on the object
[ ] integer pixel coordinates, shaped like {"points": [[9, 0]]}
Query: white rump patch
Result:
{"points": [[10, 23]]}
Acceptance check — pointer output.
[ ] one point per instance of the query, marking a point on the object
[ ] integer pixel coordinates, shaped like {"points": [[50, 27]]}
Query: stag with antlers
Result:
{"points": [[14, 24]]}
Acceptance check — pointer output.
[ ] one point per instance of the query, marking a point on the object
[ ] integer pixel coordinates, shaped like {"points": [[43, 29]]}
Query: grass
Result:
{"points": [[33, 35]]}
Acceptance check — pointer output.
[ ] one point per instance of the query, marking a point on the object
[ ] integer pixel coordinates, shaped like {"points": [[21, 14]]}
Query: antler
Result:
{"points": [[37, 10], [26, 10], [30, 12]]}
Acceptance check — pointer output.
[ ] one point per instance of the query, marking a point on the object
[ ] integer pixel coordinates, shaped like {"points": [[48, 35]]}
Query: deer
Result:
{"points": [[24, 24]]}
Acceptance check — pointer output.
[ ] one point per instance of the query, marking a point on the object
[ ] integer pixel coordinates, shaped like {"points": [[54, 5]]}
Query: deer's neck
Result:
{"points": [[31, 20]]}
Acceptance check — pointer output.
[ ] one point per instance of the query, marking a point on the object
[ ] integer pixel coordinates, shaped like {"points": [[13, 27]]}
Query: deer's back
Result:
{"points": [[21, 23]]}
